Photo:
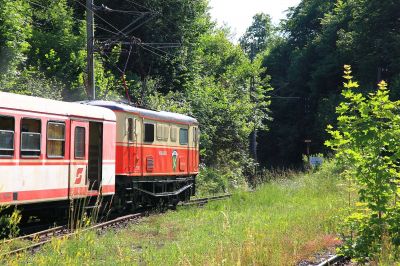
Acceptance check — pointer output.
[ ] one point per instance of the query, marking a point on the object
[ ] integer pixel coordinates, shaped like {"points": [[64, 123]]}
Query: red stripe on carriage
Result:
{"points": [[52, 194], [45, 163], [34, 195]]}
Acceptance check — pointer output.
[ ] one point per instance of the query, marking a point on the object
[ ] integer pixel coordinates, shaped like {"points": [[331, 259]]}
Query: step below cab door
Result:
{"points": [[79, 147]]}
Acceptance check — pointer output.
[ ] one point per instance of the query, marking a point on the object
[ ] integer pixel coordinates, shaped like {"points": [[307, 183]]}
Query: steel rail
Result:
{"points": [[332, 260], [203, 201], [119, 220], [51, 233], [36, 235]]}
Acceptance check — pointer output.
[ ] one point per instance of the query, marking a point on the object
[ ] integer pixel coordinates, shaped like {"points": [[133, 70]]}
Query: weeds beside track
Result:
{"points": [[35, 240], [282, 223]]}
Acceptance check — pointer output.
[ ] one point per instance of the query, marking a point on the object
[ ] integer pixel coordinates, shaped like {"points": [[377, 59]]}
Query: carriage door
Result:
{"points": [[79, 158]]}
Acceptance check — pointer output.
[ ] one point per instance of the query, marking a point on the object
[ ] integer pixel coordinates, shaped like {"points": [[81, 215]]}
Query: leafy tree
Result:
{"points": [[367, 142], [152, 55], [58, 49], [259, 36], [15, 31], [220, 99]]}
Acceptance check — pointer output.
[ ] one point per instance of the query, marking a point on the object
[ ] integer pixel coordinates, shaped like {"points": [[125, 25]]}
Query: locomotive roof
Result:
{"points": [[42, 105], [162, 115]]}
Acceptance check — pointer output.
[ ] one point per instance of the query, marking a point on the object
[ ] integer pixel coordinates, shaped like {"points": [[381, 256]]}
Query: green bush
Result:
{"points": [[367, 142], [9, 222], [212, 181]]}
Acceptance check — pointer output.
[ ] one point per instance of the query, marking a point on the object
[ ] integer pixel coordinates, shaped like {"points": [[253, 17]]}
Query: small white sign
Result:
{"points": [[316, 161]]}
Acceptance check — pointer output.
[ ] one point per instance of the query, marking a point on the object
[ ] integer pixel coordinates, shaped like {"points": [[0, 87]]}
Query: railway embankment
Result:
{"points": [[282, 223]]}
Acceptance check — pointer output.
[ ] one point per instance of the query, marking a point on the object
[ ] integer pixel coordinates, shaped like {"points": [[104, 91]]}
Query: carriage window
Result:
{"points": [[55, 139], [130, 129], [148, 132], [183, 136], [7, 136], [79, 145], [30, 137], [173, 134]]}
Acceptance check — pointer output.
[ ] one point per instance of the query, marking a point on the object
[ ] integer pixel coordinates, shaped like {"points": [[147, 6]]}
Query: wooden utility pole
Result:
{"points": [[90, 49]]}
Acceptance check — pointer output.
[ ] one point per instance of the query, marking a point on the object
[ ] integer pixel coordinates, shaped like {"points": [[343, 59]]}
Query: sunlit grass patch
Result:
{"points": [[281, 223]]}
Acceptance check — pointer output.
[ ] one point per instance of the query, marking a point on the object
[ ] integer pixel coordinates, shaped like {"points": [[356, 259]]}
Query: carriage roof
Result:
{"points": [[53, 107], [157, 115]]}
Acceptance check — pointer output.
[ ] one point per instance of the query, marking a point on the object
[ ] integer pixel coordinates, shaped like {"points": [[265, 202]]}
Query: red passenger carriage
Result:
{"points": [[52, 151]]}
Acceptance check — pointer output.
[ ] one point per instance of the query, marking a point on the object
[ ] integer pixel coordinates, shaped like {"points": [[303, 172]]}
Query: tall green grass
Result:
{"points": [[281, 223]]}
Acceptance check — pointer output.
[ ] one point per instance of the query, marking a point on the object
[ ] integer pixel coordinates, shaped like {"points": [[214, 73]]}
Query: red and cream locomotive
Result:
{"points": [[52, 152]]}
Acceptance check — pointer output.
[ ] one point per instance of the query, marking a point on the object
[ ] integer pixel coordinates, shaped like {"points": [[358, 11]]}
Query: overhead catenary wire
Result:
{"points": [[147, 49], [102, 19], [36, 4], [104, 8], [139, 5]]}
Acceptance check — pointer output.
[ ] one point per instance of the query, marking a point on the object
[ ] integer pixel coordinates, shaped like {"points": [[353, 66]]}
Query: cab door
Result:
{"points": [[193, 139], [131, 145], [79, 150]]}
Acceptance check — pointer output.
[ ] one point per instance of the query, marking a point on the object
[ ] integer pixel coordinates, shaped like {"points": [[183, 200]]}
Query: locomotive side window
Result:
{"points": [[55, 139], [183, 136], [162, 132], [7, 125], [196, 135], [173, 134], [159, 132], [30, 137], [148, 132], [79, 145], [130, 129]]}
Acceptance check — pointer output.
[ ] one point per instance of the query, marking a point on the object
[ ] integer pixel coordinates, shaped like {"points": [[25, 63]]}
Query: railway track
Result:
{"points": [[202, 201], [38, 239], [334, 260], [43, 237]]}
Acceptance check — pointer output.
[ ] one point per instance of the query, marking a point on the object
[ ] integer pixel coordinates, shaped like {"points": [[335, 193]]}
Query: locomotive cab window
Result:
{"points": [[55, 139], [148, 132], [183, 136], [79, 145], [7, 129], [30, 137]]}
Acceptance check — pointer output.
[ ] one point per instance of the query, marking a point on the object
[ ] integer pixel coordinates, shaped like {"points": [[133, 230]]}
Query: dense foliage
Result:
{"points": [[318, 38], [170, 54]]}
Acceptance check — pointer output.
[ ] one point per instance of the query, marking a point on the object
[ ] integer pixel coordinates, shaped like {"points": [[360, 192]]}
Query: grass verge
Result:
{"points": [[282, 223]]}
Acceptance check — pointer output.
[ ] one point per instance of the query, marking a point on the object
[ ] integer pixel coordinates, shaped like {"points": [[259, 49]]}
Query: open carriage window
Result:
{"points": [[55, 139], [7, 129], [148, 132], [30, 137]]}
